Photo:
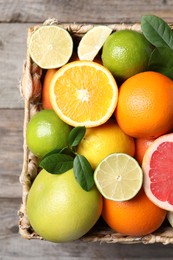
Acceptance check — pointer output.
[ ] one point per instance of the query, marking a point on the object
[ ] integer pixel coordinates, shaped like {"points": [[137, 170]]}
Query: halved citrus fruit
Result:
{"points": [[92, 42], [50, 46], [83, 93], [118, 177], [158, 172]]}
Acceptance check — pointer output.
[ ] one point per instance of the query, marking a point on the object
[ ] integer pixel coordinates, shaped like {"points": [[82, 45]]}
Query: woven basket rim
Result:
{"points": [[30, 88]]}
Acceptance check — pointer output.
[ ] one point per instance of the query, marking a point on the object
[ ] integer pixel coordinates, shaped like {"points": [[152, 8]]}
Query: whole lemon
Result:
{"points": [[126, 53], [59, 210], [103, 140], [46, 132]]}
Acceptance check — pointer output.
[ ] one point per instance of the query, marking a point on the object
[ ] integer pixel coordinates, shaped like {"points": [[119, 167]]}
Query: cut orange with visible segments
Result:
{"points": [[83, 93], [158, 172]]}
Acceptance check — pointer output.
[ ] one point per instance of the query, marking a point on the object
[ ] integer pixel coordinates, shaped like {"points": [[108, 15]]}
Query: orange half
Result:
{"points": [[83, 93]]}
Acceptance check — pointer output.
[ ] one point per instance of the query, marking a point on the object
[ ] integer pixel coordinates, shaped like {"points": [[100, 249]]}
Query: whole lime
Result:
{"points": [[46, 132], [126, 53], [59, 210]]}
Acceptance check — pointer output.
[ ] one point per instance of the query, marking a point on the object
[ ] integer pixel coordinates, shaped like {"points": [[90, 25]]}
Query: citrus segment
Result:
{"points": [[84, 93], [158, 172], [118, 177], [92, 41], [50, 46]]}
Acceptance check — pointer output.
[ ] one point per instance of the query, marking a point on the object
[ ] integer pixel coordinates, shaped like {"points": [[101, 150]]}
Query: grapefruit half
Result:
{"points": [[158, 172]]}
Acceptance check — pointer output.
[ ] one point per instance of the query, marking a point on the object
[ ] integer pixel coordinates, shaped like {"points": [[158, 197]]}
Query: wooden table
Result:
{"points": [[16, 17]]}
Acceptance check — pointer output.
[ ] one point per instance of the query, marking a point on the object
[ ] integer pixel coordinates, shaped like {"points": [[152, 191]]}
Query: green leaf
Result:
{"points": [[161, 60], [57, 163], [76, 135], [53, 152], [83, 172], [157, 31]]}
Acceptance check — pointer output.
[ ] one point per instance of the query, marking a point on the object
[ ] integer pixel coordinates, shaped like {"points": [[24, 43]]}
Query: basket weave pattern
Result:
{"points": [[30, 89]]}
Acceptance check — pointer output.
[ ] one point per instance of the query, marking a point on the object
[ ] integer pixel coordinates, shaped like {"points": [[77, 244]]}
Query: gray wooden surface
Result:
{"points": [[15, 18]]}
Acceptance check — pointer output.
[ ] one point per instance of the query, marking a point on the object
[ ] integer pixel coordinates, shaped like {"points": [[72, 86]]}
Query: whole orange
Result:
{"points": [[136, 217], [145, 105], [46, 86], [141, 145]]}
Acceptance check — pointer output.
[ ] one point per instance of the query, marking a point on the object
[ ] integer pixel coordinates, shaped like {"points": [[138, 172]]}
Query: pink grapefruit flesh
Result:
{"points": [[158, 172]]}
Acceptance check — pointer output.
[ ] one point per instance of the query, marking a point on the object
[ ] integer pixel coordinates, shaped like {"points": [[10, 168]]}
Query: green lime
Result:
{"points": [[126, 53], [46, 132], [118, 177], [59, 210]]}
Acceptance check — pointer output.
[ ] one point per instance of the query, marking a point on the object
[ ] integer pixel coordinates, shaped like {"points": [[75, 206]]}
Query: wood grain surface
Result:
{"points": [[15, 18]]}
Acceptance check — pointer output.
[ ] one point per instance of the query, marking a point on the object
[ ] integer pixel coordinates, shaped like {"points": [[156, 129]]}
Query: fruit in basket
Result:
{"points": [[118, 177], [46, 132], [46, 89], [47, 82], [103, 140], [158, 173], [59, 210], [50, 46], [84, 93], [92, 42], [141, 145], [145, 105], [136, 217], [170, 218], [126, 53]]}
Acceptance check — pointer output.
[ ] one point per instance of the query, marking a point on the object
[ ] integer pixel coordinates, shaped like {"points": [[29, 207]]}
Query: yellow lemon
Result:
{"points": [[103, 140]]}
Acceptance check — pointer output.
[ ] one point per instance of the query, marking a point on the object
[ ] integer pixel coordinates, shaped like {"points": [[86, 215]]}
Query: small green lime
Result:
{"points": [[126, 53], [59, 210], [46, 132]]}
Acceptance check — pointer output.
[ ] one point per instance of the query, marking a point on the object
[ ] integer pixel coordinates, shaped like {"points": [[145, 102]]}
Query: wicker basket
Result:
{"points": [[30, 88]]}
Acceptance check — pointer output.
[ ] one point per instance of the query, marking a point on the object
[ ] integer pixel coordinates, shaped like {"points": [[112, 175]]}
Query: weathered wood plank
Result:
{"points": [[11, 142], [12, 55], [83, 11], [12, 246]]}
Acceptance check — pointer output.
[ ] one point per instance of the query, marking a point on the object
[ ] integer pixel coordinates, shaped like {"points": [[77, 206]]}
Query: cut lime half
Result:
{"points": [[118, 177], [50, 46]]}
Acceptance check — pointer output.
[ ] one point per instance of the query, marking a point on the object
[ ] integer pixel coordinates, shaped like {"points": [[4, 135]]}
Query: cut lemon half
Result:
{"points": [[83, 93], [50, 46], [118, 177], [92, 42]]}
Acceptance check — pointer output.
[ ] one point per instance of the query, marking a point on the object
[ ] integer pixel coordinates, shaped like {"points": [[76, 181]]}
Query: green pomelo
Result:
{"points": [[59, 210]]}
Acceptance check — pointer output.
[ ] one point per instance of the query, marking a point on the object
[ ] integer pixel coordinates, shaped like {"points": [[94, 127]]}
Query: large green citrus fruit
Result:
{"points": [[126, 53], [46, 132], [59, 210]]}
